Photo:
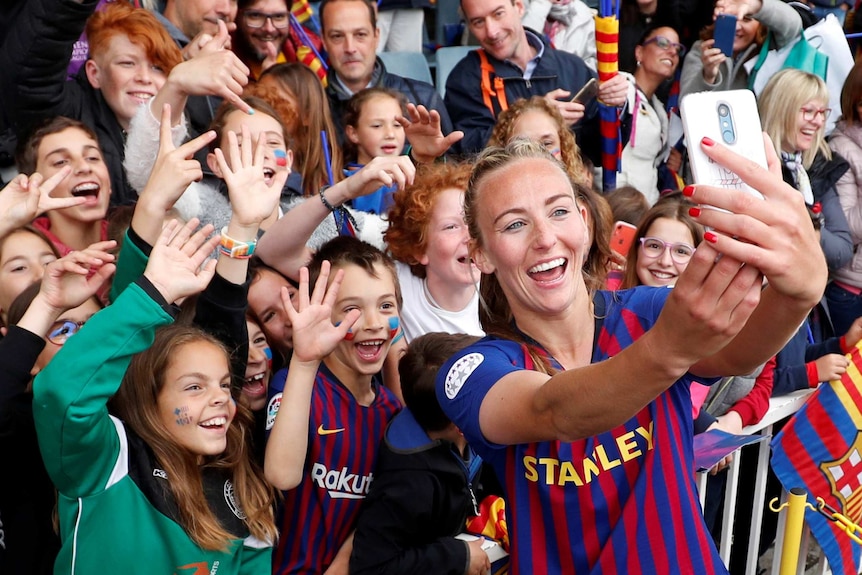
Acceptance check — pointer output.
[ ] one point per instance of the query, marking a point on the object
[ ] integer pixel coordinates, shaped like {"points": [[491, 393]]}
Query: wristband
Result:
{"points": [[234, 248], [325, 202]]}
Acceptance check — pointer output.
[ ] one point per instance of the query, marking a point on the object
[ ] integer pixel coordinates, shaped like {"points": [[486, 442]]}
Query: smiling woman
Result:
{"points": [[793, 112], [587, 427]]}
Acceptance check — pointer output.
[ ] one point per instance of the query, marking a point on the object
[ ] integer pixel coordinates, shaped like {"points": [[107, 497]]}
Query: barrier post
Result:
{"points": [[793, 530]]}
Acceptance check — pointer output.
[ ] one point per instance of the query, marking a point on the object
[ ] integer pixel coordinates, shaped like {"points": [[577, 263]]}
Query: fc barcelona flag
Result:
{"points": [[820, 450]]}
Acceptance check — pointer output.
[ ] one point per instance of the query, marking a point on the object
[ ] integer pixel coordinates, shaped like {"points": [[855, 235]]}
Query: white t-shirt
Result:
{"points": [[421, 315]]}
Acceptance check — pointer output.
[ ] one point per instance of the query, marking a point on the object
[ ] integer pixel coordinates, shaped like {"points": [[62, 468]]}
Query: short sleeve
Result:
{"points": [[464, 381]]}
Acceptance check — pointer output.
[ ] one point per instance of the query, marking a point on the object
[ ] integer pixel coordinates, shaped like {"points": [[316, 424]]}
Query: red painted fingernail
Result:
{"points": [[694, 212], [706, 141], [710, 237], [688, 191]]}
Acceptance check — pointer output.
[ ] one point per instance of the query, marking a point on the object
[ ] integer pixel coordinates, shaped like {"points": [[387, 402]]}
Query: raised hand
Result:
{"points": [[711, 59], [206, 41], [174, 170], [252, 199], [422, 129], [739, 8], [314, 335], [380, 171], [775, 235], [176, 266], [73, 279], [25, 197]]}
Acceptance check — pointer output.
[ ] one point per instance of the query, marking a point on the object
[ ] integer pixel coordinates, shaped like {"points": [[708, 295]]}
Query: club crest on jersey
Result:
{"points": [[272, 410], [459, 373], [232, 503], [341, 484]]}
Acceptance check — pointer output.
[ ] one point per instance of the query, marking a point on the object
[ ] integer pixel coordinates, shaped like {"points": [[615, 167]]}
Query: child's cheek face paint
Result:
{"points": [[182, 415], [280, 158], [268, 353], [349, 335], [394, 322]]}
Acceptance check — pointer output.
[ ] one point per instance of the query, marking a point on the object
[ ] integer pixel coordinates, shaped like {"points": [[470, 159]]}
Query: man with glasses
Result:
{"points": [[263, 36]]}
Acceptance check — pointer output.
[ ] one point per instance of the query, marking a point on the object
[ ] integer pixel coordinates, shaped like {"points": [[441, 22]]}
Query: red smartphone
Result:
{"points": [[622, 238]]}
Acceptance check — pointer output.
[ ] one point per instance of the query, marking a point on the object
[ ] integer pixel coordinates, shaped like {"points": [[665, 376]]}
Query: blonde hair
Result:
{"points": [[779, 105], [503, 132]]}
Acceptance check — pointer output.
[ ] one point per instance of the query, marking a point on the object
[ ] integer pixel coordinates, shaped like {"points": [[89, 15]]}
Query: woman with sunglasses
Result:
{"points": [[42, 318], [706, 68], [793, 112], [644, 125]]}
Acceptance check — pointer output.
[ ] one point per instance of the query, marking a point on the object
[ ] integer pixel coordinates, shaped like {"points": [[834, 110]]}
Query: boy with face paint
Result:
{"points": [[328, 411]]}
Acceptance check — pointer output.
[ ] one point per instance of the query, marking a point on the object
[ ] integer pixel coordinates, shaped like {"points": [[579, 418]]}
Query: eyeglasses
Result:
{"points": [[255, 19], [665, 43], [654, 248], [808, 114], [61, 331]]}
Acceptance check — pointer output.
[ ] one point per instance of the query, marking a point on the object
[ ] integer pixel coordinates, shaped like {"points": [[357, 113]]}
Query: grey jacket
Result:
{"points": [[782, 20]]}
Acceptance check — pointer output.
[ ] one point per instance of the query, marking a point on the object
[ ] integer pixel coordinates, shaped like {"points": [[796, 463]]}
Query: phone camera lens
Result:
{"points": [[723, 110]]}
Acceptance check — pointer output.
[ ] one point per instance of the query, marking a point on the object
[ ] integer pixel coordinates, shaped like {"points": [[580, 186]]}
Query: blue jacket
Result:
{"points": [[555, 69]]}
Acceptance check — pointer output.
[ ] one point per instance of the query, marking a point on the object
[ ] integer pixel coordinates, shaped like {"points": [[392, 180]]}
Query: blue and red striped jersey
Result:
{"points": [[623, 501], [317, 516]]}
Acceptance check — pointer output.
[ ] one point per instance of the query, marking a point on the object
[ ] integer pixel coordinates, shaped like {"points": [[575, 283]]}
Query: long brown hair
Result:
{"points": [[495, 314], [672, 209], [136, 404], [305, 87]]}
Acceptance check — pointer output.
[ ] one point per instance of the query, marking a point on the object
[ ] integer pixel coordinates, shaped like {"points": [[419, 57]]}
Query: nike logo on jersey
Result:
{"points": [[322, 431]]}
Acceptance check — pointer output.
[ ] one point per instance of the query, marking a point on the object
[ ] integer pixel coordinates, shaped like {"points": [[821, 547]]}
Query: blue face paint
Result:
{"points": [[280, 157], [394, 323], [268, 353], [182, 415]]}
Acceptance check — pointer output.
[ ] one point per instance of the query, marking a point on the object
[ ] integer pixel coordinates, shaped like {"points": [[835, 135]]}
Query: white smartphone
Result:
{"points": [[729, 117]]}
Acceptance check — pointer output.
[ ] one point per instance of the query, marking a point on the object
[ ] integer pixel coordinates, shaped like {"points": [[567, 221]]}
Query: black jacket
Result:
{"points": [[416, 91], [418, 502], [33, 64], [26, 492]]}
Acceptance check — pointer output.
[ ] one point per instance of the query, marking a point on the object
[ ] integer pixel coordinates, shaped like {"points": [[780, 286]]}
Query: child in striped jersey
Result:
{"points": [[328, 411]]}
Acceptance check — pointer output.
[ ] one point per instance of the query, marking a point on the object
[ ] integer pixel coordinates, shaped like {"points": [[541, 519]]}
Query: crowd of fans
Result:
{"points": [[268, 307]]}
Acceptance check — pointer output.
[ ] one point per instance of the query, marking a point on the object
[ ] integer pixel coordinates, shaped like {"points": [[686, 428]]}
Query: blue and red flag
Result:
{"points": [[820, 450], [607, 56]]}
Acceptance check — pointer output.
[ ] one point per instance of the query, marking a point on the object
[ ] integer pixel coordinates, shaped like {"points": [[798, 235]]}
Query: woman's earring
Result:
{"points": [[638, 63]]}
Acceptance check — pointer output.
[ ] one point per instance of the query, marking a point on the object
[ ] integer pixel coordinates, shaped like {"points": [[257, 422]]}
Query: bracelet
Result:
{"points": [[234, 248], [325, 202]]}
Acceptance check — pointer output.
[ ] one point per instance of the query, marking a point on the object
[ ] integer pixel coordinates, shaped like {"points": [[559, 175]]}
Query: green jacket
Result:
{"points": [[114, 504]]}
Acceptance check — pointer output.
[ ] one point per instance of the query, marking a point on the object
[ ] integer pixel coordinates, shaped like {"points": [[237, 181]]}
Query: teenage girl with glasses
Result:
{"points": [[665, 242]]}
